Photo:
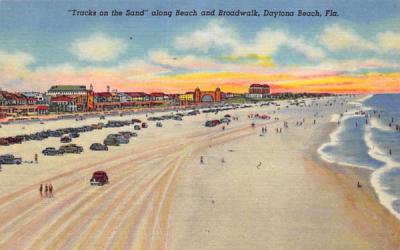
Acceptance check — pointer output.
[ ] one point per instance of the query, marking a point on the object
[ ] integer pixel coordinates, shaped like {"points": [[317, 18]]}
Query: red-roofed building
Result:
{"points": [[258, 91], [138, 96], [158, 96]]}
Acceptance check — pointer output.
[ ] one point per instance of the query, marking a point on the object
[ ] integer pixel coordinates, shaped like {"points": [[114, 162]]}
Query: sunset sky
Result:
{"points": [[42, 44]]}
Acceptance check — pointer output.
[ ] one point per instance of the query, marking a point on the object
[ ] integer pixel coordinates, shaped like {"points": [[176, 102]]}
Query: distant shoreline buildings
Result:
{"points": [[79, 98]]}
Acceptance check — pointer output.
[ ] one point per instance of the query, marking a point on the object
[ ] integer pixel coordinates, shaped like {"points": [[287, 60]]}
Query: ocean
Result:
{"points": [[368, 136]]}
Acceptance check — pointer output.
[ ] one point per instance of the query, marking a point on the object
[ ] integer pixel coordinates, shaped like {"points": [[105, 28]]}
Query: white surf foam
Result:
{"points": [[377, 153]]}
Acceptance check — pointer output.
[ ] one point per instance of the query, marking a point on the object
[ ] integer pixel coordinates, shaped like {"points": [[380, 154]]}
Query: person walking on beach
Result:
{"points": [[51, 190], [390, 151], [36, 158], [201, 160], [41, 189], [46, 189]]}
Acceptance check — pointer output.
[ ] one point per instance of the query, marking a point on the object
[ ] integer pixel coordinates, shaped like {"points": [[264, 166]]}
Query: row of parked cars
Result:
{"points": [[38, 136], [66, 134], [111, 140], [215, 122]]}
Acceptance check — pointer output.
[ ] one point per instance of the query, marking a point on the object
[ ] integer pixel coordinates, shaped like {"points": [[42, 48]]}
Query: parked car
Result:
{"points": [[177, 118], [4, 142], [120, 138], [98, 147], [10, 159], [54, 133], [65, 139], [13, 140], [127, 134], [225, 120], [99, 178], [52, 151], [71, 149], [110, 141], [212, 123], [159, 124], [74, 135], [96, 126], [136, 127], [136, 121], [144, 125]]}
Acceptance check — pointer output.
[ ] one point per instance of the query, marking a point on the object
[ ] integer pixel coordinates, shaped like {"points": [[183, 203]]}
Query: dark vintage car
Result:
{"points": [[111, 141], [4, 142], [71, 149], [144, 125], [99, 178], [136, 127], [65, 139], [136, 121], [74, 135], [159, 124], [127, 134], [212, 123], [98, 147], [54, 133], [52, 151], [13, 140], [10, 159]]}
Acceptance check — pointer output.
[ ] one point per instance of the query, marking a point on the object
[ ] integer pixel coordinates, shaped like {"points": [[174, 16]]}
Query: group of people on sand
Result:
{"points": [[300, 123], [264, 130], [46, 190]]}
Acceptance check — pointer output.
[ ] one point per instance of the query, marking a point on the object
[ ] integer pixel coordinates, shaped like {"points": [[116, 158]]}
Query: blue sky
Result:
{"points": [[44, 34]]}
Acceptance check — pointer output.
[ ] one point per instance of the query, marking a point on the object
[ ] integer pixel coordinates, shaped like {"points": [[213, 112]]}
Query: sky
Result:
{"points": [[357, 51]]}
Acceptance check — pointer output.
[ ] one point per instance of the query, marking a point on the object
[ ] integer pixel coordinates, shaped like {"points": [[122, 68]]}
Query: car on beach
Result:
{"points": [[74, 135], [52, 133], [159, 124], [10, 159], [98, 147], [177, 118], [52, 151], [99, 178], [225, 120], [71, 149], [212, 123], [96, 126], [14, 140], [136, 127], [136, 121], [121, 139], [65, 139], [111, 142], [144, 125], [128, 134], [4, 142]]}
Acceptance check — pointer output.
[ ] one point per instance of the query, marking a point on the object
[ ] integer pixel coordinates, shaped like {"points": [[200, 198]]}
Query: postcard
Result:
{"points": [[199, 124]]}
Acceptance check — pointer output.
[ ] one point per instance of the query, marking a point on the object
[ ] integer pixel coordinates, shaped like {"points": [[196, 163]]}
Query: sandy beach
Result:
{"points": [[254, 190]]}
